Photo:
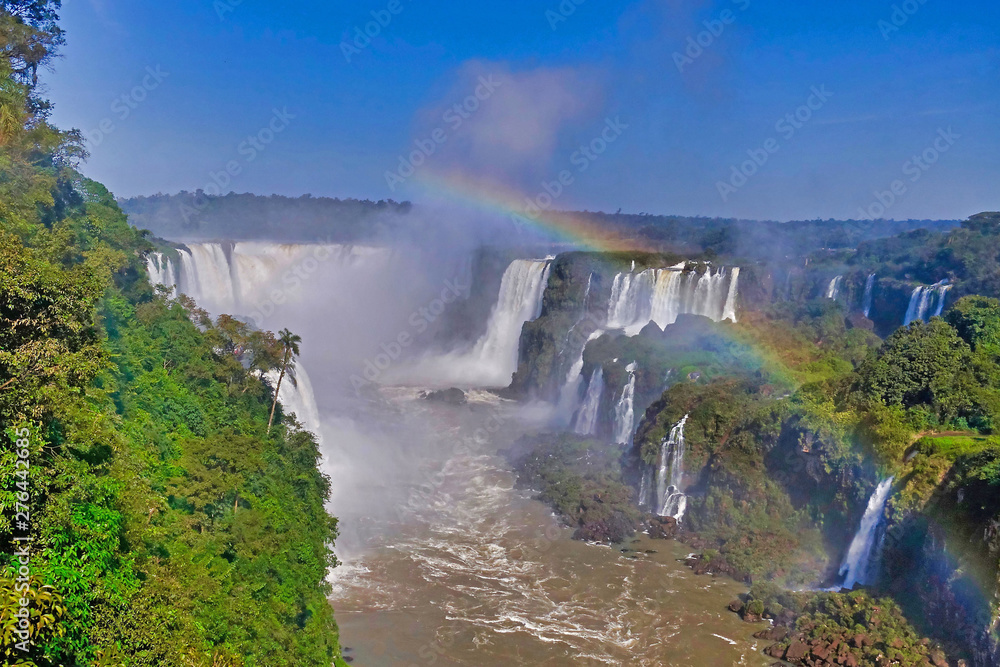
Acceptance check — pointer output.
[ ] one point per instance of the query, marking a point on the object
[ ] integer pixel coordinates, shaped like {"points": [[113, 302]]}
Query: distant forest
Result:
{"points": [[196, 216]]}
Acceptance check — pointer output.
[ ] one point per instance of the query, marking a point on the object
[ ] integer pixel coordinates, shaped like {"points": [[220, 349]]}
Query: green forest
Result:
{"points": [[165, 522]]}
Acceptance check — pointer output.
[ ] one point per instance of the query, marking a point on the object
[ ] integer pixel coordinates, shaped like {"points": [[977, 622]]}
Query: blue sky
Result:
{"points": [[891, 88]]}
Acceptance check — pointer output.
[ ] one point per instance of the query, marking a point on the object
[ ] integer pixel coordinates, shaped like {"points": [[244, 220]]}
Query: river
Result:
{"points": [[467, 570]]}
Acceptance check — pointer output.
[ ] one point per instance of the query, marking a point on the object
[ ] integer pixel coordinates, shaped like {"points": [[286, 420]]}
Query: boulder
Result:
{"points": [[453, 396], [796, 651], [662, 527]]}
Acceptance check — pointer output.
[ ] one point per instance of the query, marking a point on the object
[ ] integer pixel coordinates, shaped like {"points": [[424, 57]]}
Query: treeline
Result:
{"points": [[199, 216], [150, 517], [758, 240]]}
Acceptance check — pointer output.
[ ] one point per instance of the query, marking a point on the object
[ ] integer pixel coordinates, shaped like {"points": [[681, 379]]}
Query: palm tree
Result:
{"points": [[290, 343]]}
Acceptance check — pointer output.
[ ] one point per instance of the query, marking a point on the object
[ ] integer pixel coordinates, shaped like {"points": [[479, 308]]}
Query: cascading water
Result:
{"points": [[625, 409], [729, 310], [297, 396], [660, 295], [860, 564], [494, 356], [922, 300], [866, 304], [226, 277], [586, 417], [671, 501], [833, 289], [646, 488], [161, 269]]}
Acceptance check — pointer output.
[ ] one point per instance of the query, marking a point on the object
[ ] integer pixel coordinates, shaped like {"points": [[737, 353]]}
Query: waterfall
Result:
{"points": [[586, 417], [223, 278], [833, 289], [161, 269], [646, 488], [860, 564], [671, 501], [494, 356], [866, 304], [298, 397], [569, 394], [729, 310], [942, 294], [625, 409], [660, 295], [923, 297]]}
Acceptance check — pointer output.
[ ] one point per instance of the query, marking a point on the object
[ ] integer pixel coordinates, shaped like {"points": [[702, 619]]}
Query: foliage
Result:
{"points": [[869, 630], [581, 479], [168, 527]]}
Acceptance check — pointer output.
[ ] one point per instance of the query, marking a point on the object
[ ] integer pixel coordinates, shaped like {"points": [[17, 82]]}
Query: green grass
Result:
{"points": [[952, 447]]}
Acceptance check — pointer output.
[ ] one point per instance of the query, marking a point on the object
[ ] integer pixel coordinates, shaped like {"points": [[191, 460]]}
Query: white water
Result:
{"points": [[926, 301], [161, 269], [866, 304], [670, 476], [625, 409], [493, 359], [586, 417], [661, 295], [860, 564], [223, 278], [833, 289], [297, 396]]}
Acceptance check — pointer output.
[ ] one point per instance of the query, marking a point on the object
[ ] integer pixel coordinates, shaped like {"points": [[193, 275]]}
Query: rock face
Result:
{"points": [[451, 396], [662, 527]]}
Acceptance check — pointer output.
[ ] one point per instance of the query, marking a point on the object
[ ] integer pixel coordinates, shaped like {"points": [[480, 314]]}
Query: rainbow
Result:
{"points": [[495, 198]]}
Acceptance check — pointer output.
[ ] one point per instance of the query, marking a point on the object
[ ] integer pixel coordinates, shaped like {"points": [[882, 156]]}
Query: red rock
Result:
{"points": [[796, 651], [939, 660], [821, 652]]}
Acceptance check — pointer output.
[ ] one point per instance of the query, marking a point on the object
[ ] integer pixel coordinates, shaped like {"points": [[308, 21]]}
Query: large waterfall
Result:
{"points": [[926, 301], [671, 501], [586, 417], [493, 359], [866, 304], [660, 295], [833, 289], [625, 409], [860, 565], [242, 277]]}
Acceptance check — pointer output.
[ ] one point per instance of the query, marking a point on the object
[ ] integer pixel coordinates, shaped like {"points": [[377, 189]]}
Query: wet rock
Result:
{"points": [[775, 651], [774, 634], [662, 527], [939, 660], [451, 396]]}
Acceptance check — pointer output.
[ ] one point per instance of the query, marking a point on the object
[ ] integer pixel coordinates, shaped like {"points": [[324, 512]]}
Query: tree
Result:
{"points": [[977, 321], [290, 343]]}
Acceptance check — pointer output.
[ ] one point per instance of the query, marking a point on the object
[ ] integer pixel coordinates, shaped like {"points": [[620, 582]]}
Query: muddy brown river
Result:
{"points": [[467, 570]]}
